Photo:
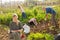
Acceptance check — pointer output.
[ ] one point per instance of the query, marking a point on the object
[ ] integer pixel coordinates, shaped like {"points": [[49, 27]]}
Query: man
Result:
{"points": [[53, 14]]}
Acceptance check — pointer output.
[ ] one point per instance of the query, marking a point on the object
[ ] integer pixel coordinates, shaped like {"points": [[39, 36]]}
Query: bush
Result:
{"points": [[40, 36], [5, 18], [35, 12]]}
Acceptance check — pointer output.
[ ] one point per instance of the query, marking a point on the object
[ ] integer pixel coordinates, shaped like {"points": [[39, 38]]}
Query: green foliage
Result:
{"points": [[5, 18], [40, 36], [35, 12], [58, 12], [49, 37]]}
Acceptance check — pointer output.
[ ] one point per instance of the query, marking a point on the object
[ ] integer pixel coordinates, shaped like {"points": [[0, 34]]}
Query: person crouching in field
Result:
{"points": [[33, 21], [53, 14], [15, 28]]}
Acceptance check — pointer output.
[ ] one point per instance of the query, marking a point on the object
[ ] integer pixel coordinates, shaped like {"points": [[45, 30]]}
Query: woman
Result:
{"points": [[15, 28]]}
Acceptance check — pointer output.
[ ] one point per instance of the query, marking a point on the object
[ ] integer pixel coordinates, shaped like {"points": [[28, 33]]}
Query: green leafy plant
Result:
{"points": [[35, 12], [40, 36]]}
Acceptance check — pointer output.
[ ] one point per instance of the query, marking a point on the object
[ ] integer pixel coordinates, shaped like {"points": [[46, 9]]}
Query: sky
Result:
{"points": [[42, 0], [3, 1]]}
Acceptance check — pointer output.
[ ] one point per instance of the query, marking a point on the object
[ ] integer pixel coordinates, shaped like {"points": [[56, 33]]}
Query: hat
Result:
{"points": [[14, 15]]}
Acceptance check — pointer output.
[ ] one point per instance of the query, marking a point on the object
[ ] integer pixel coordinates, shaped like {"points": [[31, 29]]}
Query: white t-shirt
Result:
{"points": [[26, 28]]}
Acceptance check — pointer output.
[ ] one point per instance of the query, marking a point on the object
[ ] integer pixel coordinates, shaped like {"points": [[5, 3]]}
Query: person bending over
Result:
{"points": [[53, 14]]}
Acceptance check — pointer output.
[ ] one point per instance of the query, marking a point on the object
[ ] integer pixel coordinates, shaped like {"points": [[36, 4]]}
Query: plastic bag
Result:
{"points": [[26, 28]]}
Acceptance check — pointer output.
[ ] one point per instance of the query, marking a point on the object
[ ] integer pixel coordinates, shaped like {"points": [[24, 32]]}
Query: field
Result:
{"points": [[44, 30]]}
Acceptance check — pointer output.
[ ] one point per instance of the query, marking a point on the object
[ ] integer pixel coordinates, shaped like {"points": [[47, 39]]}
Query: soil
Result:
{"points": [[42, 27], [3, 34]]}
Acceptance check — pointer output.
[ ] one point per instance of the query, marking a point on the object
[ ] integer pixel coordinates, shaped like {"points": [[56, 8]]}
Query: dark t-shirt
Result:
{"points": [[14, 26], [50, 10]]}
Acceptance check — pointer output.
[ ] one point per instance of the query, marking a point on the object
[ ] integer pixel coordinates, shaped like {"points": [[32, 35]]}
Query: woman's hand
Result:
{"points": [[20, 30], [17, 30]]}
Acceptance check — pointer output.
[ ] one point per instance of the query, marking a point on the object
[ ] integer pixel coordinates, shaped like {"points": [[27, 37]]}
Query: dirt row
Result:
{"points": [[47, 27], [3, 34], [40, 28]]}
